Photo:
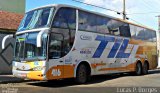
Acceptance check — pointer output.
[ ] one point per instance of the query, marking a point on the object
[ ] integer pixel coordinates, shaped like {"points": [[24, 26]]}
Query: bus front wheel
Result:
{"points": [[81, 75]]}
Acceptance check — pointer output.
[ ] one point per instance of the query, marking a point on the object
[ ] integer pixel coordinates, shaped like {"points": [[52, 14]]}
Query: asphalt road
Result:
{"points": [[116, 83]]}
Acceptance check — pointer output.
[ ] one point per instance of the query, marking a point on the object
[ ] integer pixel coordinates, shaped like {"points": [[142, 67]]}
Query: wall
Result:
{"points": [[6, 55], [17, 6]]}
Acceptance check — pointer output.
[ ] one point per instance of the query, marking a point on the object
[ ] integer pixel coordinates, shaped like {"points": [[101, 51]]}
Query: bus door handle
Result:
{"points": [[61, 61]]}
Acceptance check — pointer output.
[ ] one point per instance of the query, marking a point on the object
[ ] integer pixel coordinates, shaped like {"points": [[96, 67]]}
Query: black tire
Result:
{"points": [[138, 69], [81, 74], [145, 68]]}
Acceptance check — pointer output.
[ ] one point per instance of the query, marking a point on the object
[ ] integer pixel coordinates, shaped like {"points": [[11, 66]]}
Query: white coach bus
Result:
{"points": [[63, 41]]}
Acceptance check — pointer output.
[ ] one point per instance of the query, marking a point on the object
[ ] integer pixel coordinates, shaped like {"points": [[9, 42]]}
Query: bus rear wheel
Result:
{"points": [[145, 68], [138, 69], [81, 75]]}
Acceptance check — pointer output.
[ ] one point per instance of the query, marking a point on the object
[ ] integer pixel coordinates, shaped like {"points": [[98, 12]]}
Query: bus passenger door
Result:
{"points": [[56, 60]]}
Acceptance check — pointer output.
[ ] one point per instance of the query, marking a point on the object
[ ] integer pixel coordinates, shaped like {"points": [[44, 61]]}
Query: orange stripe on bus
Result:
{"points": [[130, 67], [98, 64], [67, 71]]}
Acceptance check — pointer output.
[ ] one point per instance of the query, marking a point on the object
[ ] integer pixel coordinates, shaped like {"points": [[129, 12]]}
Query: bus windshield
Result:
{"points": [[26, 47], [36, 19]]}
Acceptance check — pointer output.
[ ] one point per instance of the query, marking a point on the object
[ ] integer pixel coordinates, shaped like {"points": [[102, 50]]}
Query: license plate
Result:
{"points": [[22, 75]]}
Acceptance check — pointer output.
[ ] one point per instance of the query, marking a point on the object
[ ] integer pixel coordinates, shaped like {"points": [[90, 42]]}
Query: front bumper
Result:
{"points": [[33, 75], [30, 70]]}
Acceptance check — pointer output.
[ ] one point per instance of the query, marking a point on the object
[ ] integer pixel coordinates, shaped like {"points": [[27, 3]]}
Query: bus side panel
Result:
{"points": [[85, 49], [146, 52], [94, 48], [138, 49]]}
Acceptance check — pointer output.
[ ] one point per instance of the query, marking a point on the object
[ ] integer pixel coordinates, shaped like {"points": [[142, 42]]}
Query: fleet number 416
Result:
{"points": [[56, 72]]}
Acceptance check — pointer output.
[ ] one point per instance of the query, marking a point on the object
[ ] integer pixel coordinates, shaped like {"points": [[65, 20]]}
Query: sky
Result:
{"points": [[142, 12]]}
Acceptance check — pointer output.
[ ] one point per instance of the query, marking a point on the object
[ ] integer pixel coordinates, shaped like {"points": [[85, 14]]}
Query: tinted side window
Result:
{"points": [[148, 35], [87, 21], [65, 18], [133, 31], [102, 24], [140, 33], [154, 36], [56, 46], [125, 30], [118, 28]]}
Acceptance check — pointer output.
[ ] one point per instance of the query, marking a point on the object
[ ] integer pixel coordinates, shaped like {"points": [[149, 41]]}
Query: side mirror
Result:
{"points": [[4, 40], [39, 37]]}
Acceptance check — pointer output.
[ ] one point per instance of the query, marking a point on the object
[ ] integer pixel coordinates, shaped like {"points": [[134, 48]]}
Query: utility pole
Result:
{"points": [[124, 9]]}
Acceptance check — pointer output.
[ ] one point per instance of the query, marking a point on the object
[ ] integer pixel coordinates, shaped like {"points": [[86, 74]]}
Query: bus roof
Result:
{"points": [[97, 13]]}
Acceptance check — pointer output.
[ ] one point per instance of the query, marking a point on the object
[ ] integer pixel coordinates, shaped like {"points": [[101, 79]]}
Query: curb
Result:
{"points": [[4, 79], [14, 81]]}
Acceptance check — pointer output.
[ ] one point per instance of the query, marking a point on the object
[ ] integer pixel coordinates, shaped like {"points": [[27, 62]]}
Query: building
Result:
{"points": [[11, 13]]}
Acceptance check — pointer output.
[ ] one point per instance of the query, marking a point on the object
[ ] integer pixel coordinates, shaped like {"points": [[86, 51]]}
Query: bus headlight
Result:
{"points": [[39, 68]]}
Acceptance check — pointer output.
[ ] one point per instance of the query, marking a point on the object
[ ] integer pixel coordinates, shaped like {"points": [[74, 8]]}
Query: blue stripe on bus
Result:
{"points": [[115, 48], [123, 47], [104, 41]]}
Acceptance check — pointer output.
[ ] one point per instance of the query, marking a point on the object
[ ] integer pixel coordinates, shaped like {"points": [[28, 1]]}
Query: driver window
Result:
{"points": [[55, 46], [64, 23]]}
